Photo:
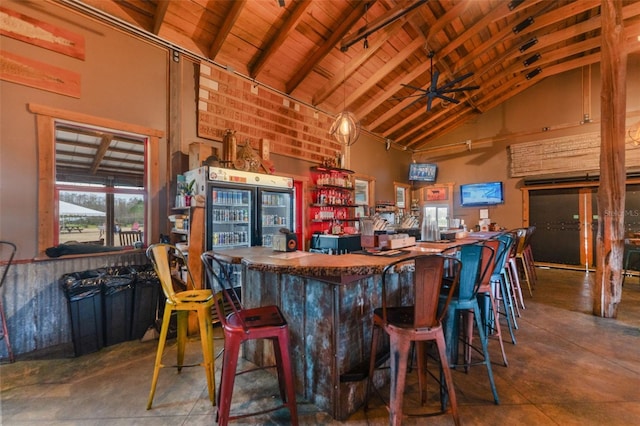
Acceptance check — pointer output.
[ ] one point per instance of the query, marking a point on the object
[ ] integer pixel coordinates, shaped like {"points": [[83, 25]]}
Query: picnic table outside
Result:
{"points": [[71, 228]]}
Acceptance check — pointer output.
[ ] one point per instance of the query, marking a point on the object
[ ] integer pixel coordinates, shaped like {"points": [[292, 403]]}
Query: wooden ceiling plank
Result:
{"points": [[386, 69], [332, 85], [314, 59], [272, 46], [236, 8]]}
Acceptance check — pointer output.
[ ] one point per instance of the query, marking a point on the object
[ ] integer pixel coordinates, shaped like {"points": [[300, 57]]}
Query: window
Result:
{"points": [[363, 186], [99, 184], [136, 191]]}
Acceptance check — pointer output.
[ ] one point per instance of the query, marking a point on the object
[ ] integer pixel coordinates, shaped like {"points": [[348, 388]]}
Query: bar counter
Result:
{"points": [[328, 302]]}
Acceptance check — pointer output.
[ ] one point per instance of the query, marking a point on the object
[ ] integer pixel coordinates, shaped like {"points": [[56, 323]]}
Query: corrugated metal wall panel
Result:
{"points": [[36, 308]]}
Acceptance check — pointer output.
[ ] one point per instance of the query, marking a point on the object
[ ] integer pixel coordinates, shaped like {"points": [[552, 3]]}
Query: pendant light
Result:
{"points": [[345, 128]]}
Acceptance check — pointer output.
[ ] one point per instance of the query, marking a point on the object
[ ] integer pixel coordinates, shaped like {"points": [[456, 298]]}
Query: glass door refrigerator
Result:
{"points": [[243, 209]]}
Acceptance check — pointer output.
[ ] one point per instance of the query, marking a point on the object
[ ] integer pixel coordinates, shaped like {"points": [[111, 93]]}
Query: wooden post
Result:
{"points": [[607, 289]]}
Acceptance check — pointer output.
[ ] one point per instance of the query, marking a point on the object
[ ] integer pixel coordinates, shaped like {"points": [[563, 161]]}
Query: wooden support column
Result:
{"points": [[607, 288]]}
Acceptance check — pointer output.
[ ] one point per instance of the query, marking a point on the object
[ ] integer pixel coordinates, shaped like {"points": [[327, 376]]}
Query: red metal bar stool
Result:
{"points": [[7, 252], [240, 325], [417, 323]]}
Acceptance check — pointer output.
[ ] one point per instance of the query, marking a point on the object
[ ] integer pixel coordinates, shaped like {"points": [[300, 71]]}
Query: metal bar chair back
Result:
{"points": [[417, 321]]}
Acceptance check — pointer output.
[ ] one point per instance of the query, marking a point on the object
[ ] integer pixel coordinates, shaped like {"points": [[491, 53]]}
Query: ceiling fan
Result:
{"points": [[441, 92]]}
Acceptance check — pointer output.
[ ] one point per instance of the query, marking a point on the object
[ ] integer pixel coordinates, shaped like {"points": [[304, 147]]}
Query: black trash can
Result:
{"points": [[117, 304], [84, 295], [146, 292]]}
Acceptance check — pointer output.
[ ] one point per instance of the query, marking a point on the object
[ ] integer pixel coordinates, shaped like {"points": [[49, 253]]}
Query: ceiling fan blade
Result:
{"points": [[429, 100], [459, 89], [447, 98], [415, 88], [399, 98], [414, 102], [455, 81], [434, 81]]}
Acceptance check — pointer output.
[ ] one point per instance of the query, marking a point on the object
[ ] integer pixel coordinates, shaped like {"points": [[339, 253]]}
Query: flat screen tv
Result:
{"points": [[481, 194], [423, 172]]}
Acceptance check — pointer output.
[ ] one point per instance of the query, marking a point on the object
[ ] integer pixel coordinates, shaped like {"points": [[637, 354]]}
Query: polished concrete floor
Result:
{"points": [[567, 368]]}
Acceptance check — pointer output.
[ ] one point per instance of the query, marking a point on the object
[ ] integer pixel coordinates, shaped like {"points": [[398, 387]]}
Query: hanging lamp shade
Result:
{"points": [[345, 128]]}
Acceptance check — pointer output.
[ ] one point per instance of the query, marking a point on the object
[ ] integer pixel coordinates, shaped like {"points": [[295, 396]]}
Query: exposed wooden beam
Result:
{"points": [[271, 47], [322, 51], [380, 22], [158, 17], [229, 21], [353, 65], [101, 151]]}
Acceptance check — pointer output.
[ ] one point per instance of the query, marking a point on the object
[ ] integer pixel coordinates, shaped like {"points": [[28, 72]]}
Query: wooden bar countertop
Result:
{"points": [[325, 265]]}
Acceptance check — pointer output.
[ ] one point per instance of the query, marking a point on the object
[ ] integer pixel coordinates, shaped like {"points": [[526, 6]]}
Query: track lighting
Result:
{"points": [[515, 3], [522, 25], [531, 59], [533, 73], [528, 44]]}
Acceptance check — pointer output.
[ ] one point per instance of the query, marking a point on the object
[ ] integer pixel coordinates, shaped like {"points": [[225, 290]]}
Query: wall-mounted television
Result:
{"points": [[423, 172], [481, 194]]}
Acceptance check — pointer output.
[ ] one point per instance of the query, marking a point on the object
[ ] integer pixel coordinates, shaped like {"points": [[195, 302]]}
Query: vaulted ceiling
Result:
{"points": [[360, 55]]}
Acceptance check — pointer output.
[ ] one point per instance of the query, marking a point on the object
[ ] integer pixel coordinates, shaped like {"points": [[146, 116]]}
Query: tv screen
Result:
{"points": [[425, 172], [481, 194]]}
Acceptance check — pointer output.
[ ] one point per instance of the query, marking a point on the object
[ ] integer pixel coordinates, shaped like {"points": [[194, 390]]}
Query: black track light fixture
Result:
{"points": [[528, 44], [522, 25], [533, 73], [531, 59], [515, 3]]}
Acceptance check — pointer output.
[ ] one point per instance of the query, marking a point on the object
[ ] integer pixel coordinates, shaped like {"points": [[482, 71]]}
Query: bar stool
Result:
{"points": [[419, 323], [8, 251], [240, 325], [465, 302], [182, 302]]}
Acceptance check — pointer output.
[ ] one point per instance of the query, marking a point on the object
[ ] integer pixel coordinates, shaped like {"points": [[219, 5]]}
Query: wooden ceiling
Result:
{"points": [[314, 50]]}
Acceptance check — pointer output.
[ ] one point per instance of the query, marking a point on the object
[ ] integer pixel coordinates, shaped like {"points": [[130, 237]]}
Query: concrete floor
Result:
{"points": [[567, 368]]}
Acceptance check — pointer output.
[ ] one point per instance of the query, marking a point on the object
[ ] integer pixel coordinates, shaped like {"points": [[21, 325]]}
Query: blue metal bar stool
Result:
{"points": [[475, 261]]}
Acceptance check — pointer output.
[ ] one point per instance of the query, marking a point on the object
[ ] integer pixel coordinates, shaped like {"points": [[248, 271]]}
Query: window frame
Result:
{"points": [[46, 118]]}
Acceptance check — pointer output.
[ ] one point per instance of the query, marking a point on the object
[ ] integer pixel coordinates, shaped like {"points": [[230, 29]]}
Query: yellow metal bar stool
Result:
{"points": [[182, 302]]}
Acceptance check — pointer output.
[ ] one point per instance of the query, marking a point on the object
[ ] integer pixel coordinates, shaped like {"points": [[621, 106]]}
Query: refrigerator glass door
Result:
{"points": [[229, 217], [276, 211]]}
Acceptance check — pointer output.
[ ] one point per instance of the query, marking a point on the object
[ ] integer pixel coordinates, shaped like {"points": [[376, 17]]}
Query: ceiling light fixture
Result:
{"points": [[515, 3], [345, 128], [533, 73], [522, 25], [531, 59], [528, 44]]}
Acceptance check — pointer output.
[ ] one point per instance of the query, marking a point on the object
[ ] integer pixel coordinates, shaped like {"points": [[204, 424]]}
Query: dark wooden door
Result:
{"points": [[555, 213]]}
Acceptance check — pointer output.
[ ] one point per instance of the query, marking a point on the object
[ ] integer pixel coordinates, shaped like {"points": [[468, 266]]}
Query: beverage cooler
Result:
{"points": [[243, 209]]}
